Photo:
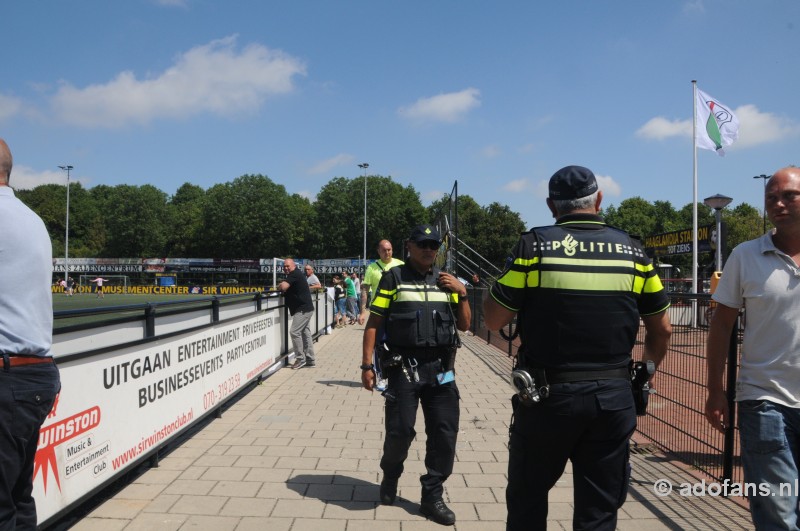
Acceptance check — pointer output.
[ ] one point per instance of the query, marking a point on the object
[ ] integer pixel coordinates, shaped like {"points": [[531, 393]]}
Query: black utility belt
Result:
{"points": [[422, 354], [556, 376]]}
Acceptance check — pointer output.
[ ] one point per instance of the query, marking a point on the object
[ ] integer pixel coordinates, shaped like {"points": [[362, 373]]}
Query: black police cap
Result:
{"points": [[572, 182]]}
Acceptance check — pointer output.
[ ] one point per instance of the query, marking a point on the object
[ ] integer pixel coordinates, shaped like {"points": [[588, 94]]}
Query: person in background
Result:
{"points": [[351, 300], [339, 298], [29, 379], [298, 298], [99, 281], [763, 275], [357, 287], [372, 277], [311, 278]]}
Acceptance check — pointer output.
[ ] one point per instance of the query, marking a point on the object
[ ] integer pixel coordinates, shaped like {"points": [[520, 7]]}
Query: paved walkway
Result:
{"points": [[301, 452]]}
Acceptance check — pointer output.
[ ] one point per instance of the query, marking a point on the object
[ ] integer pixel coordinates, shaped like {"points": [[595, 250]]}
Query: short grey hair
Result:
{"points": [[565, 206]]}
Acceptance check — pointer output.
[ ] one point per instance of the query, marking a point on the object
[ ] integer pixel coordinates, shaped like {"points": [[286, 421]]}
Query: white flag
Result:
{"points": [[716, 124]]}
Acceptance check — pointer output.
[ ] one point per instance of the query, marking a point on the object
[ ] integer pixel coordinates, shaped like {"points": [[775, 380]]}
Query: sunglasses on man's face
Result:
{"points": [[428, 244]]}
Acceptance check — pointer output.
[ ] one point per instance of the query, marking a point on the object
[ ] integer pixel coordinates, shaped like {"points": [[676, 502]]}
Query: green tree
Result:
{"points": [[247, 218], [135, 220], [490, 231], [665, 217], [185, 216], [743, 223], [86, 230], [471, 217], [302, 224], [392, 210], [502, 230], [634, 215], [87, 226], [334, 209]]}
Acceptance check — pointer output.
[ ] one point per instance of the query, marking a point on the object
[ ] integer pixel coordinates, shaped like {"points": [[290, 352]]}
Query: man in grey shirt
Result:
{"points": [[311, 278]]}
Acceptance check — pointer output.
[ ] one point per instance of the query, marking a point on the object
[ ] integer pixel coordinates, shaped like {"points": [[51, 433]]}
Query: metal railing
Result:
{"points": [[675, 422]]}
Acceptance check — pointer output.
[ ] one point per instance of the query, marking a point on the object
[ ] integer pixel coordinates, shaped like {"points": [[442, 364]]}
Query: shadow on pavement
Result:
{"points": [[347, 492]]}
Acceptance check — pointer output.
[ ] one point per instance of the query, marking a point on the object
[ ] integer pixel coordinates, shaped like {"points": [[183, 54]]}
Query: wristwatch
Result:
{"points": [[367, 367]]}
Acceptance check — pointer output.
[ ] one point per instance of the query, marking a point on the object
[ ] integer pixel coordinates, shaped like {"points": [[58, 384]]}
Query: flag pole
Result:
{"points": [[694, 203]]}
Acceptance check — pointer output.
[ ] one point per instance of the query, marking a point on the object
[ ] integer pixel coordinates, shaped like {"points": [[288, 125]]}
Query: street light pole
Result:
{"points": [[66, 168], [718, 202], [765, 177], [364, 167]]}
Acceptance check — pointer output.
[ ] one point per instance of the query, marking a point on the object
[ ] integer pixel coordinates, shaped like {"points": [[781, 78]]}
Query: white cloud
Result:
{"points": [[608, 186], [325, 166], [9, 106], [25, 178], [659, 128], [491, 152], [516, 186], [755, 128], [215, 78], [444, 107], [694, 8], [434, 195], [311, 196]]}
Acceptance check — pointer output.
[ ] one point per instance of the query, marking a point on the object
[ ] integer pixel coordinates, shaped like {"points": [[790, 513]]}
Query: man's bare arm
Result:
{"points": [[717, 345], [656, 337], [495, 315]]}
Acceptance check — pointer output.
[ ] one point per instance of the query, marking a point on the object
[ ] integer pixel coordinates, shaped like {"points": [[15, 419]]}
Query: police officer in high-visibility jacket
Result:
{"points": [[420, 308], [580, 288]]}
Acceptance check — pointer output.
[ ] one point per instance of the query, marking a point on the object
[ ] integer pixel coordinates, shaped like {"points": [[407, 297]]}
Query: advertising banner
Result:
{"points": [[680, 242], [116, 407], [99, 265]]}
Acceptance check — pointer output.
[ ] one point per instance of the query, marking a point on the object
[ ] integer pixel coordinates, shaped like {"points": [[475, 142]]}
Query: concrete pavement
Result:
{"points": [[301, 451]]}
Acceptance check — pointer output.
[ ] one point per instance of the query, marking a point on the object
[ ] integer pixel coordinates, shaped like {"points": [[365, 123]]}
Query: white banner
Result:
{"points": [[116, 407]]}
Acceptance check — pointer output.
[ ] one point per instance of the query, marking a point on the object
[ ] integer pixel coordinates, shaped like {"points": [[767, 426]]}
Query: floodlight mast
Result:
{"points": [[67, 168]]}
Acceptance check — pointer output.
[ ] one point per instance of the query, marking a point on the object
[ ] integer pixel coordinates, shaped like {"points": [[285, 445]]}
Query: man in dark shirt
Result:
{"points": [[298, 298], [579, 289]]}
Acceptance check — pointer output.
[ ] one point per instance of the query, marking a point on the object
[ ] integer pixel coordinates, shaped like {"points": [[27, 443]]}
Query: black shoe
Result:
{"points": [[437, 511], [388, 492], [311, 364]]}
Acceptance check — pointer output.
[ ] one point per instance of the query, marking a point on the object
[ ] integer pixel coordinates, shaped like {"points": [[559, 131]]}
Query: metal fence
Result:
{"points": [[675, 422]]}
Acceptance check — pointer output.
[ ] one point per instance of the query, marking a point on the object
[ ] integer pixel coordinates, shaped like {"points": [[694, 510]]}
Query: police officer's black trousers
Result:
{"points": [[441, 411], [588, 423]]}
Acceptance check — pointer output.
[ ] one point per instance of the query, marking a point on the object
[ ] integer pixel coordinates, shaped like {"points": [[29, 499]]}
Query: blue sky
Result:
{"points": [[494, 95]]}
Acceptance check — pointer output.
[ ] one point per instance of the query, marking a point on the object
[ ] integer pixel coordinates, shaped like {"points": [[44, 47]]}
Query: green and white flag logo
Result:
{"points": [[716, 126]]}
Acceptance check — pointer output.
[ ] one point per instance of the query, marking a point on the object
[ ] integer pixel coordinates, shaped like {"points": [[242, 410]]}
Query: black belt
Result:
{"points": [[554, 376], [423, 353]]}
